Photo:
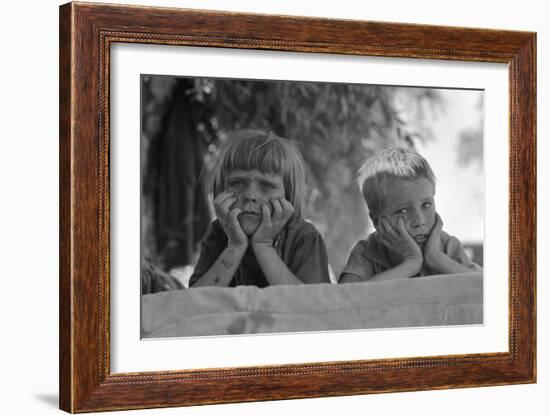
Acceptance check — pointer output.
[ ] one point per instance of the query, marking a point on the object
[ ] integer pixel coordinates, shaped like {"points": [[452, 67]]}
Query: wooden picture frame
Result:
{"points": [[86, 33]]}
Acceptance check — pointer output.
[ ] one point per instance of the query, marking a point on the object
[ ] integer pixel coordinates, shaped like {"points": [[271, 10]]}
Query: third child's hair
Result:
{"points": [[376, 173], [267, 153]]}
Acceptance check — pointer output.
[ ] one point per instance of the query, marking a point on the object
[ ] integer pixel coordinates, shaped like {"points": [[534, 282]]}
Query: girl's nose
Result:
{"points": [[250, 195]]}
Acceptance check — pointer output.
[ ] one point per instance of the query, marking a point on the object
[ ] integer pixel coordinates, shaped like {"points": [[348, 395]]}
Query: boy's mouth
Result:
{"points": [[420, 239]]}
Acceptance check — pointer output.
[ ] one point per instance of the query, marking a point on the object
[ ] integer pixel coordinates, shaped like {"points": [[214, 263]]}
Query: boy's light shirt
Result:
{"points": [[371, 255]]}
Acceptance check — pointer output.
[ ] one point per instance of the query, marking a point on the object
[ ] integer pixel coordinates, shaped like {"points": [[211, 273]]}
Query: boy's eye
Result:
{"points": [[427, 205], [402, 211]]}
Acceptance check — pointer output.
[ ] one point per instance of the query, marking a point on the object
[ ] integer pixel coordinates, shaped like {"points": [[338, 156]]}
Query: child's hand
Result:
{"points": [[273, 221], [401, 243], [437, 259], [229, 219], [432, 249]]}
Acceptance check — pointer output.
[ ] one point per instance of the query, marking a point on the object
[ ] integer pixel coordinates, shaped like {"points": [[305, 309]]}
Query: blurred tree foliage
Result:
{"points": [[337, 126], [470, 144]]}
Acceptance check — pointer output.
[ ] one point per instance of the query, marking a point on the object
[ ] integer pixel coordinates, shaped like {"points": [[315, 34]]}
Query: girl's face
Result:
{"points": [[253, 188], [412, 200]]}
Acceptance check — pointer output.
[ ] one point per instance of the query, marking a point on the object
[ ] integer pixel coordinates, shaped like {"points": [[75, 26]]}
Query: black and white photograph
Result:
{"points": [[274, 206]]}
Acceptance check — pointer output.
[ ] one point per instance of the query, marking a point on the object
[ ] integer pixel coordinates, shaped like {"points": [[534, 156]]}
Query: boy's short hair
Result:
{"points": [[390, 164], [267, 153]]}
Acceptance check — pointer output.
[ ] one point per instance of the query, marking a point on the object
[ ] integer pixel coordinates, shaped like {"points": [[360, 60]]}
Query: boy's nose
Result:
{"points": [[418, 220]]}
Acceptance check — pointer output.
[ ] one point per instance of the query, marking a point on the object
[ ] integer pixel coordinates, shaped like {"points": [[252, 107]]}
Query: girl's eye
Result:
{"points": [[402, 211], [235, 183], [267, 186]]}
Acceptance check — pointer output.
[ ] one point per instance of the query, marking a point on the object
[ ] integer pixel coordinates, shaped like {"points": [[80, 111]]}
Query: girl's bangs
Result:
{"points": [[264, 157]]}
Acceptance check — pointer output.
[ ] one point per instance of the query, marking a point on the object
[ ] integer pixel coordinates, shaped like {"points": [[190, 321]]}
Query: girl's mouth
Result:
{"points": [[249, 213]]}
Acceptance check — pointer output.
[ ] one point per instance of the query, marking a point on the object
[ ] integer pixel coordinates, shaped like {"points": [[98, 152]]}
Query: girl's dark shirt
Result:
{"points": [[303, 251]]}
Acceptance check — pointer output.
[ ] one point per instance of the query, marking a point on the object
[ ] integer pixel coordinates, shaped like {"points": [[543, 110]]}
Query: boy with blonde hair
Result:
{"points": [[398, 186]]}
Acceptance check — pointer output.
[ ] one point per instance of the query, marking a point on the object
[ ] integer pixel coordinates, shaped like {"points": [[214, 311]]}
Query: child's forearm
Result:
{"points": [[275, 270], [443, 264], [406, 269], [345, 278], [221, 273]]}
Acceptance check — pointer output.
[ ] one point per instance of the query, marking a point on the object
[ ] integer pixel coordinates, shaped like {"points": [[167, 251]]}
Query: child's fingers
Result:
{"points": [[266, 214], [277, 208], [288, 209], [223, 202], [234, 217], [221, 197], [388, 229], [387, 242], [225, 206], [438, 222], [435, 233], [401, 226]]}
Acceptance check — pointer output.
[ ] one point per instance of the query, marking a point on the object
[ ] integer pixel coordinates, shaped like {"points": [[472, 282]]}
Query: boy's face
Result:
{"points": [[253, 188], [412, 200]]}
